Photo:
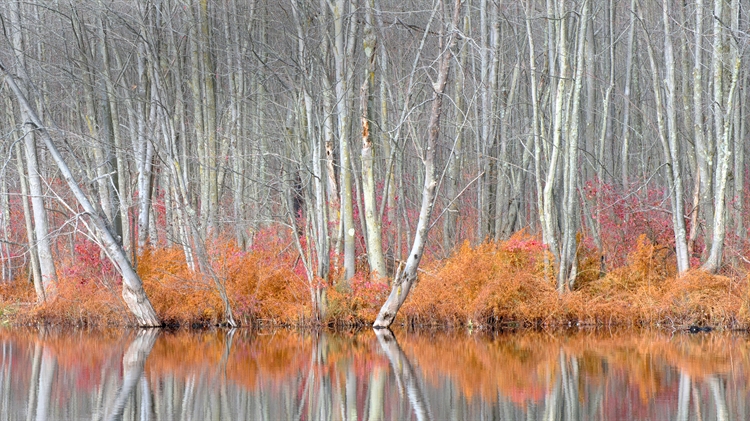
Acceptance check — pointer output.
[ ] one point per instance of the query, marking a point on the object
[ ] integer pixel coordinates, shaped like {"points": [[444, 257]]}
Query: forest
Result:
{"points": [[294, 162]]}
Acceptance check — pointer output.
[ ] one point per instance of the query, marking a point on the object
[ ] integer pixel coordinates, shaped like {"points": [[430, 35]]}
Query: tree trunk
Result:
{"points": [[144, 151], [567, 270], [344, 57], [372, 220], [678, 209], [405, 278], [132, 288], [723, 139], [41, 230], [625, 151], [30, 233], [668, 139], [450, 220]]}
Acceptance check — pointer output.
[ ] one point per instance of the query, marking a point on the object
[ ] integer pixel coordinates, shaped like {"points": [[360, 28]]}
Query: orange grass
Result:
{"points": [[499, 283], [492, 284]]}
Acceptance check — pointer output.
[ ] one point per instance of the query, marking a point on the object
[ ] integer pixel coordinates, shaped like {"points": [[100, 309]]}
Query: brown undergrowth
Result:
{"points": [[490, 285], [512, 283]]}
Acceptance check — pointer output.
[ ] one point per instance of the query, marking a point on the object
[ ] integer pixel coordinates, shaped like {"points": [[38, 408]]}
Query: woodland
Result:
{"points": [[294, 162]]}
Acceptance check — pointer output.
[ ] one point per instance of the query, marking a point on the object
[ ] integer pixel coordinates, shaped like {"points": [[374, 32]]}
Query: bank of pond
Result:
{"points": [[488, 286], [270, 374]]}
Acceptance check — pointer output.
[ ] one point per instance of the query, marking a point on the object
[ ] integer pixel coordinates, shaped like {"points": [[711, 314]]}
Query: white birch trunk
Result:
{"points": [[723, 142], [41, 229], [405, 279], [372, 220], [132, 288]]}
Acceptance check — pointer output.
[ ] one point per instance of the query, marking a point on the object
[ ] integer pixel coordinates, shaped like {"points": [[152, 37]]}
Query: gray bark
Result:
{"points": [[372, 219], [41, 228], [132, 288], [404, 280]]}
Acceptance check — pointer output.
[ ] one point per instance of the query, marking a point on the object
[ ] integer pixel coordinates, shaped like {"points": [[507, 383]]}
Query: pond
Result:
{"points": [[247, 374]]}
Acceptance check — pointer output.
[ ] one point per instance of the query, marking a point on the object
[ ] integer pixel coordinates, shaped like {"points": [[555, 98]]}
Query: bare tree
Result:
{"points": [[132, 288], [42, 242], [405, 278]]}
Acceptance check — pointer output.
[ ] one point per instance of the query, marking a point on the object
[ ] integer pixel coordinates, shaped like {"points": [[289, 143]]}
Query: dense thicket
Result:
{"points": [[183, 122]]}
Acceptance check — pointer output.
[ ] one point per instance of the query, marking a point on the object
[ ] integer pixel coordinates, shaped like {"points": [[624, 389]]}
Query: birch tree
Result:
{"points": [[405, 278], [132, 288], [724, 103], [372, 218], [42, 242]]}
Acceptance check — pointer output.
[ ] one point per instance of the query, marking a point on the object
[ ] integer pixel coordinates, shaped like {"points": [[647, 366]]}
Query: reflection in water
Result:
{"points": [[404, 373], [373, 376], [132, 368]]}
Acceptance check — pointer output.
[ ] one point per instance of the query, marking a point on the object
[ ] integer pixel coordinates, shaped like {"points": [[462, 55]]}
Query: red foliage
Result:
{"points": [[624, 216]]}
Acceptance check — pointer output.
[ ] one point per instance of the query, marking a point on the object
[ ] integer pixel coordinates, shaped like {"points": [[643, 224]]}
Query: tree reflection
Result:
{"points": [[132, 366], [405, 375], [317, 375]]}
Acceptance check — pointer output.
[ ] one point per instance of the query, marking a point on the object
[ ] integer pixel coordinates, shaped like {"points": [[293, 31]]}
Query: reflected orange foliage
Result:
{"points": [[529, 363], [524, 366]]}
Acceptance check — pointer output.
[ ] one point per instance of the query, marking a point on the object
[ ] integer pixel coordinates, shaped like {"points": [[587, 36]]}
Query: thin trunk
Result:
{"points": [[132, 288], [678, 211], [343, 55], [372, 220], [209, 115], [625, 151], [723, 141], [120, 179], [29, 223], [568, 262], [702, 152], [668, 139], [404, 280], [454, 160], [197, 93], [548, 214], [41, 230], [740, 120], [144, 151]]}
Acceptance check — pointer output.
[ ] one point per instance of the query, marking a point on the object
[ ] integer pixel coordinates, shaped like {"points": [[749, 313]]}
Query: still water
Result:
{"points": [[302, 375]]}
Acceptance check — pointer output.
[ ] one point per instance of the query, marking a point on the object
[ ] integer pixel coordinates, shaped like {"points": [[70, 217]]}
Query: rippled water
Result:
{"points": [[291, 375]]}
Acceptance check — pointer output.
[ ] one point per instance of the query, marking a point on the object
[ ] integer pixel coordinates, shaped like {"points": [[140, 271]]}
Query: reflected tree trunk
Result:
{"points": [[132, 368], [34, 383], [405, 374], [46, 377], [683, 397], [375, 395], [720, 399]]}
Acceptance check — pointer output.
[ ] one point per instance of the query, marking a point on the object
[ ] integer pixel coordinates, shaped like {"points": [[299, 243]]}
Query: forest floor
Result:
{"points": [[492, 285]]}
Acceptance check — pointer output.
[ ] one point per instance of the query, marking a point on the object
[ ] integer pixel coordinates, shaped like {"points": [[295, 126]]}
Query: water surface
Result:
{"points": [[290, 375]]}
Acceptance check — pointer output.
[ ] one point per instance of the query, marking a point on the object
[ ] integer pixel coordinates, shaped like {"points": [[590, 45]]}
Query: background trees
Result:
{"points": [[189, 120]]}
